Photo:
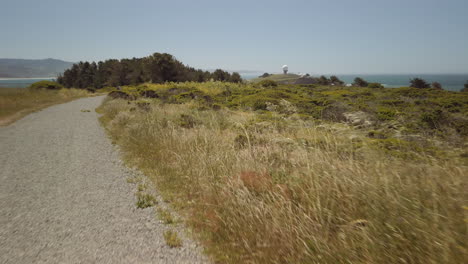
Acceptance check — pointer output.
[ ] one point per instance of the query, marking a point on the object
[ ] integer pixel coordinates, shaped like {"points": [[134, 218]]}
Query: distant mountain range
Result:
{"points": [[20, 68]]}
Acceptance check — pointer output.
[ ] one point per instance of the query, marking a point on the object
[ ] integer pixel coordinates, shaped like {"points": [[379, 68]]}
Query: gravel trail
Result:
{"points": [[64, 197]]}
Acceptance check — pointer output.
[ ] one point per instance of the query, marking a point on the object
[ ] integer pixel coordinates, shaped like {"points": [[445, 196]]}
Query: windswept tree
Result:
{"points": [[220, 75], [465, 88], [323, 80], [419, 83], [436, 85], [359, 82], [336, 81], [235, 77]]}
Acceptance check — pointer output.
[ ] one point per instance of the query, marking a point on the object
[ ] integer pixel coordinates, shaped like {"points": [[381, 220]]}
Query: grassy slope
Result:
{"points": [[15, 103], [264, 180], [280, 78]]}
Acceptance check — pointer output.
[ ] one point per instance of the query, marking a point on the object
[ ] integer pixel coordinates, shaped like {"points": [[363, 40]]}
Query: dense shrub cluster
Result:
{"points": [[50, 85], [268, 83], [359, 82], [266, 74], [419, 83], [157, 68]]}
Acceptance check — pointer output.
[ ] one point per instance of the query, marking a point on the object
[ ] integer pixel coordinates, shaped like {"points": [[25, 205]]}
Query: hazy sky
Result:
{"points": [[326, 36]]}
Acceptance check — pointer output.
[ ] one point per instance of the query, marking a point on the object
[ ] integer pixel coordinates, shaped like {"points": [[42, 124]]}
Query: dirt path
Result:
{"points": [[64, 196]]}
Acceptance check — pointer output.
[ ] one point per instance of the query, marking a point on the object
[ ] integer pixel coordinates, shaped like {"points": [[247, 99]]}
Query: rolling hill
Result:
{"points": [[287, 79], [22, 68]]}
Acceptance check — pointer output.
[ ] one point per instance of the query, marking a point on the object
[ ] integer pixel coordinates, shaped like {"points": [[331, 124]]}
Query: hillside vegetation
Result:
{"points": [[280, 78], [156, 68], [304, 174]]}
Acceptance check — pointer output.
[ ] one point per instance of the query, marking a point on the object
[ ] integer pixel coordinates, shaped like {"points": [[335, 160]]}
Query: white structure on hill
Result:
{"points": [[285, 69]]}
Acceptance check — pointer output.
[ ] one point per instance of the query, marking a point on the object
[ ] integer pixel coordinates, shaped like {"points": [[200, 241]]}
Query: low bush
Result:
{"points": [[49, 85], [384, 114], [172, 239], [267, 83], [145, 200], [375, 85]]}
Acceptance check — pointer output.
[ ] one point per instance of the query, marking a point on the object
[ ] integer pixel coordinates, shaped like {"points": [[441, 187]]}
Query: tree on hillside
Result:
{"points": [[69, 76], [323, 80], [235, 77], [157, 68], [336, 81], [436, 85], [419, 83], [163, 67], [201, 76], [220, 75], [266, 74], [359, 82], [87, 72], [465, 89]]}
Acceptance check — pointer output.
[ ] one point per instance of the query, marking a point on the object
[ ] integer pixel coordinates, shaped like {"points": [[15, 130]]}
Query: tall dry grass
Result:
{"points": [[289, 191], [18, 102]]}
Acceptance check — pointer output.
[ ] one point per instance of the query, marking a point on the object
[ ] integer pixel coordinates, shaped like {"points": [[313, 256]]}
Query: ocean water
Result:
{"points": [[451, 82], [20, 82]]}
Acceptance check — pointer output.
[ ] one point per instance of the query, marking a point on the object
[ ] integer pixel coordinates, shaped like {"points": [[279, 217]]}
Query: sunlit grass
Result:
{"points": [[281, 78], [274, 188], [172, 239], [17, 102]]}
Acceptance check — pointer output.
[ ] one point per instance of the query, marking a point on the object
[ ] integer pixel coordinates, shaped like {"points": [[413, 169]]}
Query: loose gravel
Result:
{"points": [[64, 196]]}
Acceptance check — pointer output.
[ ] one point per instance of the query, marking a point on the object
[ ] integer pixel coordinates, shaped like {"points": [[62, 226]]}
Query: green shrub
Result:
{"points": [[436, 85], [397, 148], [384, 114], [172, 240], [165, 216], [46, 85], [377, 134], [145, 200], [268, 83], [433, 119], [419, 83], [375, 85], [359, 82]]}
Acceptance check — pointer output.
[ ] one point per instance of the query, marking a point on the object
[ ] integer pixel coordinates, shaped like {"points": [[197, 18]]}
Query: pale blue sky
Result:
{"points": [[334, 36]]}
